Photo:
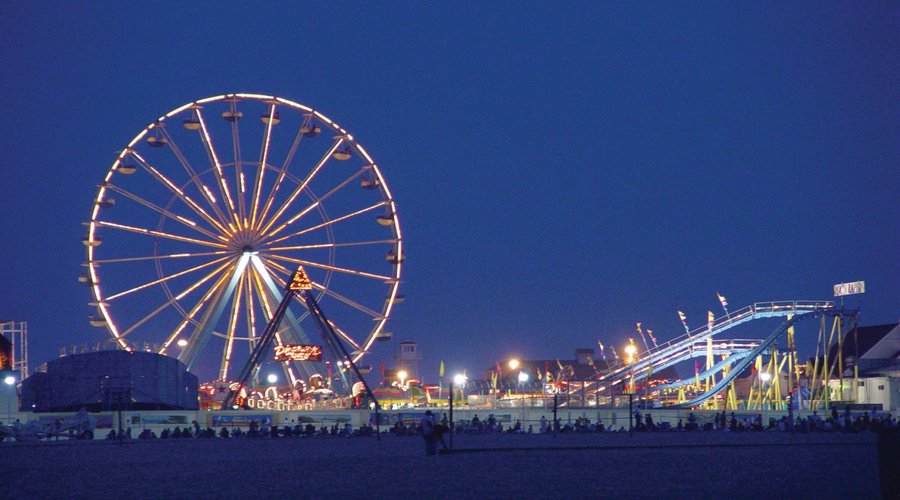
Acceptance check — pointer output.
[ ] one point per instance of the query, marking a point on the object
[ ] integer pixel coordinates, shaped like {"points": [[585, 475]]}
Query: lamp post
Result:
{"points": [[10, 382], [459, 380], [523, 378], [630, 350]]}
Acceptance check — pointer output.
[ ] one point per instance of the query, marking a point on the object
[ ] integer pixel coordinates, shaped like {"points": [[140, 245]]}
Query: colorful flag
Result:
{"points": [[652, 338], [683, 319], [559, 364], [602, 352], [710, 319], [722, 299], [643, 339], [615, 355], [441, 369]]}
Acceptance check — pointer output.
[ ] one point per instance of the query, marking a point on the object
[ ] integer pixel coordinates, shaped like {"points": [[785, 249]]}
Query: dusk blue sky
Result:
{"points": [[562, 170]]}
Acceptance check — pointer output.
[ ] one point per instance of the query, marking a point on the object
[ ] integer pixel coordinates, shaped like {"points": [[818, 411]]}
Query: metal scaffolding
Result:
{"points": [[17, 333]]}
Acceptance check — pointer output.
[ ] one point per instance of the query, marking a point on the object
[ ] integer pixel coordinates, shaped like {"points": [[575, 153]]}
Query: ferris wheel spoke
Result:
{"points": [[190, 317], [314, 246], [263, 161], [206, 139], [173, 301], [177, 218], [159, 257], [319, 201], [349, 302], [195, 179], [169, 236], [162, 179], [330, 222], [238, 164], [362, 274], [165, 279], [343, 335], [300, 187], [282, 172], [230, 333]]}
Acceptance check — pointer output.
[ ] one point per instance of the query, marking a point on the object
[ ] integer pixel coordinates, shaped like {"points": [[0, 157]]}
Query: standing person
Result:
{"points": [[439, 429], [427, 426]]}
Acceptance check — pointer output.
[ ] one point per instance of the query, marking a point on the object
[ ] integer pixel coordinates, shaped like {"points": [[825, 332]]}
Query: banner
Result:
{"points": [[298, 352]]}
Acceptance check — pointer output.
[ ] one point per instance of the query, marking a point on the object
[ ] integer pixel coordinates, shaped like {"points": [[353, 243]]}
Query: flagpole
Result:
{"points": [[724, 303], [644, 340]]}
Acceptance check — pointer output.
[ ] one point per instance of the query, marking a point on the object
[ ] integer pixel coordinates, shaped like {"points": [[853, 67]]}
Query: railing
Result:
{"points": [[720, 324]]}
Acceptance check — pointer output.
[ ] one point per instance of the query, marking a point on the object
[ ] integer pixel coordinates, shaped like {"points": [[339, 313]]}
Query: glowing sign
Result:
{"points": [[298, 352], [300, 281], [854, 288]]}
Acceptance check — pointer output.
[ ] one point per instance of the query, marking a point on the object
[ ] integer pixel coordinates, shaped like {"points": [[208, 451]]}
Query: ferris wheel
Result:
{"points": [[204, 216]]}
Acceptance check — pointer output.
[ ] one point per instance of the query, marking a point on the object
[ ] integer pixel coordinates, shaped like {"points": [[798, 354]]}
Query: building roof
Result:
{"points": [[871, 342]]}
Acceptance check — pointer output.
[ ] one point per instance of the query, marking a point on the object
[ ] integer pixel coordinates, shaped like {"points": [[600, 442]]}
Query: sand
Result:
{"points": [[608, 465]]}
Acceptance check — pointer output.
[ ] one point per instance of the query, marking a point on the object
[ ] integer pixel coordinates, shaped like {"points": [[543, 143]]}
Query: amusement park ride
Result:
{"points": [[191, 242], [299, 286], [772, 367]]}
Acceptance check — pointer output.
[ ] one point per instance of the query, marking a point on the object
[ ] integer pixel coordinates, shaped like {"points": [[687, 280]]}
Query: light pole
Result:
{"points": [[10, 382], [523, 378], [458, 379], [630, 350]]}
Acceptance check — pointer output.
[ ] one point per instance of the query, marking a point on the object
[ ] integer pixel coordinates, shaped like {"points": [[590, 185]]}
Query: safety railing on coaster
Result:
{"points": [[686, 342]]}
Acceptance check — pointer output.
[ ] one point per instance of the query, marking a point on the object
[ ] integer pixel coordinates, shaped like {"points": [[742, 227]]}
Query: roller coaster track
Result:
{"points": [[740, 353]]}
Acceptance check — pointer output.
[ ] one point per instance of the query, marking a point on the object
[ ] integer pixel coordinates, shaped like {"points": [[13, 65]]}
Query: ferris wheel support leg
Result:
{"points": [[261, 346], [328, 331], [202, 332], [294, 331]]}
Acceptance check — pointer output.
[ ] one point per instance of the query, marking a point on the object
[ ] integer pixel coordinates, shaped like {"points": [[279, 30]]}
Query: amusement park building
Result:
{"points": [[876, 347], [584, 367], [111, 380]]}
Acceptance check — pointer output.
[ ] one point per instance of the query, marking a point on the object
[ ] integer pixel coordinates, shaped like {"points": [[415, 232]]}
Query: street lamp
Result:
{"points": [[513, 364], [10, 382], [630, 351], [460, 380], [401, 375], [182, 343], [272, 378], [523, 378]]}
